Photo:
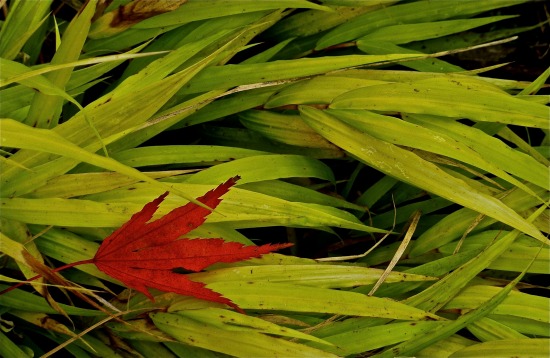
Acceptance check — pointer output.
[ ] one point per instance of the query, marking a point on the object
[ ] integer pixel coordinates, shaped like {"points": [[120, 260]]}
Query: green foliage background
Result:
{"points": [[340, 127]]}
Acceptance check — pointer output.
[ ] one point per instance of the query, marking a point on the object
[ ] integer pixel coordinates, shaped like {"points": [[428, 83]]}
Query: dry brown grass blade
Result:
{"points": [[400, 250]]}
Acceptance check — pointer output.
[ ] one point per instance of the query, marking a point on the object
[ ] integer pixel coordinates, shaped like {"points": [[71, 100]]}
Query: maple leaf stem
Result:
{"points": [[60, 268]]}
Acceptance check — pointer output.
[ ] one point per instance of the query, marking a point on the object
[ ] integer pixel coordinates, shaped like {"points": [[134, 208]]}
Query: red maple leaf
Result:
{"points": [[143, 254]]}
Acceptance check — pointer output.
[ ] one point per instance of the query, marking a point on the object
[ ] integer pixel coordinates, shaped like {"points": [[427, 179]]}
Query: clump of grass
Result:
{"points": [[345, 132]]}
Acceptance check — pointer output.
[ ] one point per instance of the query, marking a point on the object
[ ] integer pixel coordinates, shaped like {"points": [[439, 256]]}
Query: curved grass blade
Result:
{"points": [[410, 168]]}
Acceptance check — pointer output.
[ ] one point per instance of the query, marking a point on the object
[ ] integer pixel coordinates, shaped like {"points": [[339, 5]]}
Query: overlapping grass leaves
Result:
{"points": [[271, 118]]}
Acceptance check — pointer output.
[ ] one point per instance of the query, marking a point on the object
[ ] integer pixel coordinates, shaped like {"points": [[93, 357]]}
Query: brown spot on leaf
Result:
{"points": [[139, 10]]}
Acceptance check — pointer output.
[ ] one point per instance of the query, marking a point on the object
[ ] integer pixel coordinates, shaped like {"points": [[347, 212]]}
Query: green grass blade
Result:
{"points": [[399, 132], [240, 209], [274, 296], [532, 347], [9, 349], [440, 97], [23, 19], [454, 225], [487, 329], [17, 135], [495, 151], [411, 347], [363, 339], [418, 11], [45, 110], [297, 193], [40, 84], [234, 75], [190, 155], [409, 168], [26, 301], [437, 295], [405, 33], [265, 167], [200, 334], [321, 276]]}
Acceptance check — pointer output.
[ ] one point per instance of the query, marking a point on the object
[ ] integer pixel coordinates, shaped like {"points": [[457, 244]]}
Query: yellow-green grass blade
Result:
{"points": [[72, 185], [95, 60], [162, 67], [251, 28], [239, 209], [409, 168], [415, 12], [537, 84], [517, 304], [494, 150], [448, 329], [23, 19], [234, 75], [193, 32], [268, 54], [243, 208], [12, 248], [16, 241], [320, 276], [17, 135], [214, 230], [318, 90], [264, 167], [17, 97], [487, 329], [518, 255], [111, 115], [447, 346], [405, 33], [274, 296], [529, 347], [375, 192], [189, 155], [134, 136], [233, 321], [401, 76], [437, 295], [297, 193], [287, 129], [39, 84], [45, 110], [183, 107], [454, 225], [235, 343], [509, 135], [417, 136], [363, 339], [526, 326], [447, 97]]}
